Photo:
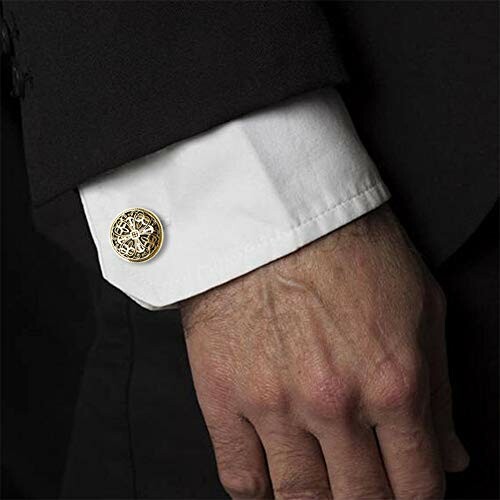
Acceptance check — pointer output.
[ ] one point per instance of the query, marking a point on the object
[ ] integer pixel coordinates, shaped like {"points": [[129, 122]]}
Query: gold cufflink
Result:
{"points": [[136, 235]]}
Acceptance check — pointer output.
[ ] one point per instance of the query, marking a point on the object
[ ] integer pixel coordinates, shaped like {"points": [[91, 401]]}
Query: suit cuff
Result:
{"points": [[237, 197]]}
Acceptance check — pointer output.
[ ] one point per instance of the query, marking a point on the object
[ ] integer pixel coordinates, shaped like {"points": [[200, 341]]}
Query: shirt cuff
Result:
{"points": [[237, 197]]}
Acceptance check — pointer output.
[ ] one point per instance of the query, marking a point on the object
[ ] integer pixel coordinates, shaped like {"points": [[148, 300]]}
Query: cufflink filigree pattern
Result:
{"points": [[136, 235]]}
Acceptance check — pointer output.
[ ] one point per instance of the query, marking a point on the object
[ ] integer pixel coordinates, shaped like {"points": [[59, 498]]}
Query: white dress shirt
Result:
{"points": [[236, 197]]}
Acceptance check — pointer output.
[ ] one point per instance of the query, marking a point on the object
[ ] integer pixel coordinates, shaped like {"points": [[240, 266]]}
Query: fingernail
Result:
{"points": [[457, 458]]}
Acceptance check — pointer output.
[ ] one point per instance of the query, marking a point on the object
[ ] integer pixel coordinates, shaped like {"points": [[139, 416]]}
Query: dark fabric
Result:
{"points": [[108, 82], [100, 456], [138, 431], [424, 98], [470, 281], [48, 325]]}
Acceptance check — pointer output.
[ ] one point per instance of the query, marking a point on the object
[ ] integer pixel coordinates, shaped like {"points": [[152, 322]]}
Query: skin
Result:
{"points": [[324, 373]]}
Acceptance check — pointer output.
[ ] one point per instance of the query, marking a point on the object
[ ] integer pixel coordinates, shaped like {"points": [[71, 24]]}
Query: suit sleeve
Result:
{"points": [[104, 83]]}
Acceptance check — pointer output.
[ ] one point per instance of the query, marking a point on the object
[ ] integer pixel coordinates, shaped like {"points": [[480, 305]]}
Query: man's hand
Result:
{"points": [[325, 374]]}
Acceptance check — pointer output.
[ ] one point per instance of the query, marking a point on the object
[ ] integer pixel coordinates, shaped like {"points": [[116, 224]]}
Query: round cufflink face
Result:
{"points": [[136, 235]]}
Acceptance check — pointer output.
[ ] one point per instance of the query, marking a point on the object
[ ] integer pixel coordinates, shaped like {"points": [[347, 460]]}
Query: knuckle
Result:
{"points": [[328, 396], [397, 385], [243, 484]]}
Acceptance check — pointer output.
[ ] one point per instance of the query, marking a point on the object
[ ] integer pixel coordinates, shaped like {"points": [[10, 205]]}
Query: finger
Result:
{"points": [[411, 455], [354, 464], [240, 457], [295, 462], [454, 455]]}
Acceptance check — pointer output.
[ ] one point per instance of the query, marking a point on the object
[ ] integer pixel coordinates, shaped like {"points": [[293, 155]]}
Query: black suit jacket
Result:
{"points": [[102, 83]]}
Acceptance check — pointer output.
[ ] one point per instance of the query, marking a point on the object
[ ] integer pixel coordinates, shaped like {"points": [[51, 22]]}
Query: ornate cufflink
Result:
{"points": [[136, 235]]}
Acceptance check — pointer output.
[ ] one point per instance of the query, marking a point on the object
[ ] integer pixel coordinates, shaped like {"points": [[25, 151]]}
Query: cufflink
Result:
{"points": [[136, 235]]}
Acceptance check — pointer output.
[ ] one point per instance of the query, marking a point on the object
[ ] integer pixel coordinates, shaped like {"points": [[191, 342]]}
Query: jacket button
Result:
{"points": [[6, 39], [18, 81]]}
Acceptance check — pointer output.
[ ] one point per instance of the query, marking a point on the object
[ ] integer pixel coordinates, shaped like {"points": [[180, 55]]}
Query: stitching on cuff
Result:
{"points": [[315, 217]]}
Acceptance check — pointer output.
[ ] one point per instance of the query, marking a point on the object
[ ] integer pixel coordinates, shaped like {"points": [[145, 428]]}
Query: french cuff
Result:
{"points": [[234, 198]]}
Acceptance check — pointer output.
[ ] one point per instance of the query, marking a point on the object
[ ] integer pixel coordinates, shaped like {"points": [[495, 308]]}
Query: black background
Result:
{"points": [[46, 331]]}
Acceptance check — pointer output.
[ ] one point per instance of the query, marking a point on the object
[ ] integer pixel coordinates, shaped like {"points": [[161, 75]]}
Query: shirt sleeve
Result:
{"points": [[236, 197]]}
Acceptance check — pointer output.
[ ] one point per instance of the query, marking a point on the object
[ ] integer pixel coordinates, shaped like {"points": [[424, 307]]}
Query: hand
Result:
{"points": [[324, 374]]}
